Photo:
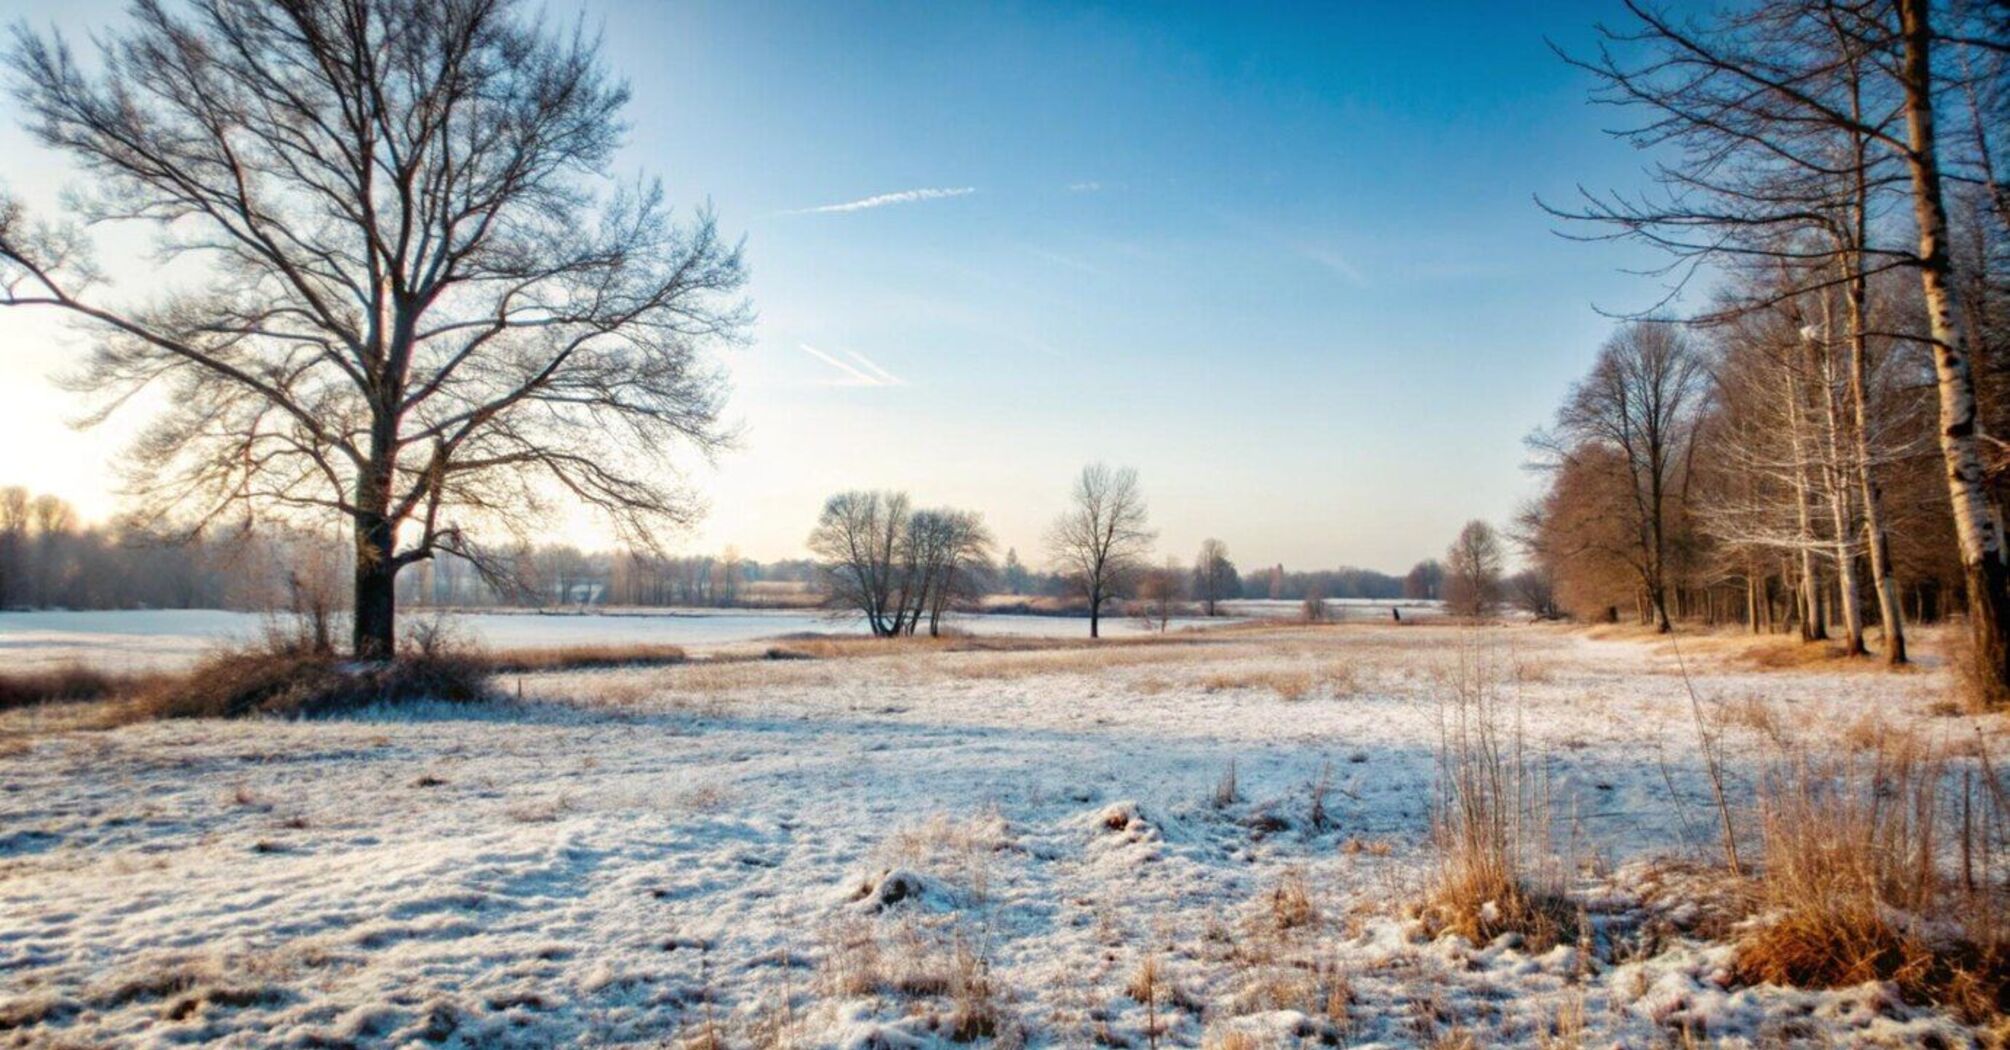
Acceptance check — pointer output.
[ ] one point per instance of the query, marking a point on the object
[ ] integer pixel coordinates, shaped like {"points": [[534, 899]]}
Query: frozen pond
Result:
{"points": [[140, 639]]}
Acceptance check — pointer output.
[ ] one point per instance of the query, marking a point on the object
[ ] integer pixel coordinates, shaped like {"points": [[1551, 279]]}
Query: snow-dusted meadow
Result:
{"points": [[903, 850]]}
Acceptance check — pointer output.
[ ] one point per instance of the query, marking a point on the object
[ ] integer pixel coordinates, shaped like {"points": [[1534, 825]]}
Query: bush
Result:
{"points": [[58, 685], [267, 681]]}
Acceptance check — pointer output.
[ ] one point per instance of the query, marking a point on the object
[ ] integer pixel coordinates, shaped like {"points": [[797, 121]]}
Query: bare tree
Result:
{"points": [[950, 561], [1214, 576], [896, 565], [1639, 404], [418, 311], [1533, 591], [1473, 567], [1160, 589], [1978, 522], [861, 539], [1102, 540]]}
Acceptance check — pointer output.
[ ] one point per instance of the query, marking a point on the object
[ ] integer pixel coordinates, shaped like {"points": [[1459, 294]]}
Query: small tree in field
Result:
{"points": [[1101, 542], [421, 309], [1314, 605], [1159, 592], [1473, 571], [1214, 577]]}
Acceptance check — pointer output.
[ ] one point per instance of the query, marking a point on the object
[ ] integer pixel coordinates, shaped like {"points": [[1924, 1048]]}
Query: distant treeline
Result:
{"points": [[49, 558]]}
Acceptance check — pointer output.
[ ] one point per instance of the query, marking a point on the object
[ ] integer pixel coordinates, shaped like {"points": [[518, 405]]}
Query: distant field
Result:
{"points": [[145, 639]]}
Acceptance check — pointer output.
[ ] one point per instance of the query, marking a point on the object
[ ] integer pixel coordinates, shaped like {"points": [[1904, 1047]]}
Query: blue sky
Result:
{"points": [[1283, 260]]}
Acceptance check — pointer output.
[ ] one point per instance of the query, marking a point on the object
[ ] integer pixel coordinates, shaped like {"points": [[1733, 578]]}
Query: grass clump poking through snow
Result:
{"points": [[283, 678], [1494, 872], [1878, 867]]}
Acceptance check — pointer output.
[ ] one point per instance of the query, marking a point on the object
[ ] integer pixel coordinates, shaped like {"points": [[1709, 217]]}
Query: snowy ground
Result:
{"points": [[891, 851]]}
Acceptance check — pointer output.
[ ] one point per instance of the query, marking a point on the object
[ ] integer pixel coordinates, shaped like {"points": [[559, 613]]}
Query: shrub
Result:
{"points": [[57, 685], [290, 681]]}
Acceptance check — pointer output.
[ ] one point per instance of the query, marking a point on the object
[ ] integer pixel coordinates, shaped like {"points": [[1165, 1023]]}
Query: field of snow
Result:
{"points": [[135, 640], [899, 851], [1337, 609]]}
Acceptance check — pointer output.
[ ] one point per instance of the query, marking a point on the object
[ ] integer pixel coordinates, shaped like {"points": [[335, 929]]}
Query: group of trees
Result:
{"points": [[562, 575], [1811, 449], [898, 565], [1278, 583], [50, 558]]}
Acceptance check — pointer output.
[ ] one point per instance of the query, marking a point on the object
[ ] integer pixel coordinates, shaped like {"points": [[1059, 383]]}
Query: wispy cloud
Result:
{"points": [[886, 378], [1090, 186], [1068, 261], [884, 199], [1338, 264], [864, 373]]}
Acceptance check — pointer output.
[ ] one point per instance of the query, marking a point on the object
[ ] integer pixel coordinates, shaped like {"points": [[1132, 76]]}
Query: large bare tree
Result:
{"points": [[1100, 543], [422, 307], [1639, 406]]}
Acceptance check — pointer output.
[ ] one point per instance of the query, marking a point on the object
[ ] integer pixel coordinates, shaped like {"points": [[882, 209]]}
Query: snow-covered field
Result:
{"points": [[134, 640], [895, 851]]}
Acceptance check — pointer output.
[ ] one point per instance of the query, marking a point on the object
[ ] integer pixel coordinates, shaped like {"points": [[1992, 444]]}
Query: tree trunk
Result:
{"points": [[1976, 524], [1881, 573], [1812, 629], [374, 627], [1840, 511]]}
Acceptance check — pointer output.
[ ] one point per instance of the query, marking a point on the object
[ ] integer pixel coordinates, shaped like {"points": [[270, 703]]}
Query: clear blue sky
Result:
{"points": [[1283, 260]]}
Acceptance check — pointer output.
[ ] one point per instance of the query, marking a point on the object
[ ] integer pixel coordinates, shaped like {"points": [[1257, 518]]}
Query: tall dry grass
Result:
{"points": [[1495, 871], [1885, 865], [66, 684]]}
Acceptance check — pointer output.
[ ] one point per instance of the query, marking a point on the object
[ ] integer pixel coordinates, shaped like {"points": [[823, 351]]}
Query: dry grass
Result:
{"points": [[58, 685], [1290, 900], [1856, 886], [946, 973], [580, 658], [247, 682], [1288, 682], [1491, 826], [957, 850]]}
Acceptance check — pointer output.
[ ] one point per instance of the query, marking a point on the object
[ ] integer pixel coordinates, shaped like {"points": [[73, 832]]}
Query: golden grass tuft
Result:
{"points": [[1855, 889], [1494, 873], [1290, 900]]}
